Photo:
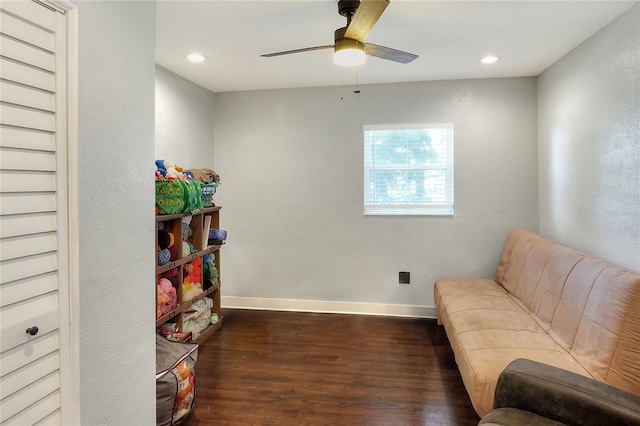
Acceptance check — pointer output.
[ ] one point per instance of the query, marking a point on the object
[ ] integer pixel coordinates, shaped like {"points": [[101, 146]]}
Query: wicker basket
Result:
{"points": [[208, 189]]}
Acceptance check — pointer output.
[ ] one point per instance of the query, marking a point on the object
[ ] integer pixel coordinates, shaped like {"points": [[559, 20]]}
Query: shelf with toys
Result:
{"points": [[188, 262]]}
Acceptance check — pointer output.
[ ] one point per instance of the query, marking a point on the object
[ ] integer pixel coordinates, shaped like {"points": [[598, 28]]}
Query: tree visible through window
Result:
{"points": [[408, 169]]}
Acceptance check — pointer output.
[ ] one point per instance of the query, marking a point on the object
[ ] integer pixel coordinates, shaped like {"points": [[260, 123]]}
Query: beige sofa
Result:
{"points": [[549, 303]]}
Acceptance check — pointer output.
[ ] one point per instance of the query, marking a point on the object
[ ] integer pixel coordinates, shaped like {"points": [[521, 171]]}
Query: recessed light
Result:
{"points": [[489, 59], [195, 57]]}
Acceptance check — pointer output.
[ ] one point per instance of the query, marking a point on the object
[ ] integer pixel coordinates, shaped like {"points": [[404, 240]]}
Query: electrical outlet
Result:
{"points": [[404, 277]]}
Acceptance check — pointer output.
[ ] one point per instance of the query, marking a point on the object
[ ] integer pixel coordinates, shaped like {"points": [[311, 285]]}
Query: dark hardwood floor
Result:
{"points": [[291, 368]]}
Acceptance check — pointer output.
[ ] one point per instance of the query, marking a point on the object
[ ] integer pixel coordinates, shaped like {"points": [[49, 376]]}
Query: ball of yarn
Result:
{"points": [[164, 256]]}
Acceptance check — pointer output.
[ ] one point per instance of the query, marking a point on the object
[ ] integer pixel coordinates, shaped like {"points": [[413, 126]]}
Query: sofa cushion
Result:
{"points": [[534, 270], [607, 341], [575, 294], [488, 329]]}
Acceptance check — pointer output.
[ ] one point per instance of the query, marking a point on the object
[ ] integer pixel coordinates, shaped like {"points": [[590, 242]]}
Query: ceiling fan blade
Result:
{"points": [[365, 18], [306, 49], [389, 53]]}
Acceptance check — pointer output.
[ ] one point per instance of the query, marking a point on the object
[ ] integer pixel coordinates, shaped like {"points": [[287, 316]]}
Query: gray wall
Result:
{"points": [[184, 121], [291, 163], [116, 218], [589, 144]]}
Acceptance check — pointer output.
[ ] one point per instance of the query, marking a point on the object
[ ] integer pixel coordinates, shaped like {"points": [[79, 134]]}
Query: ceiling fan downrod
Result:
{"points": [[348, 8]]}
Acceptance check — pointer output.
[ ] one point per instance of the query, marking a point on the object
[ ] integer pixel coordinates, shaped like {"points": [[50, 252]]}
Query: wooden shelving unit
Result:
{"points": [[174, 224]]}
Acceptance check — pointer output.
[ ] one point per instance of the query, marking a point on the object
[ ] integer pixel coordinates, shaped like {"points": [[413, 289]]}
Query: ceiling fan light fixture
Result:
{"points": [[349, 53]]}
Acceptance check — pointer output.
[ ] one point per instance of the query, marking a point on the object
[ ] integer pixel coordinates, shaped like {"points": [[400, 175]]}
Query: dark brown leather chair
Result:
{"points": [[532, 393]]}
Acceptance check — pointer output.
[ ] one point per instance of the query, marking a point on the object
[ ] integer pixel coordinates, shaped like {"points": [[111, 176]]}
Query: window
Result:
{"points": [[408, 169]]}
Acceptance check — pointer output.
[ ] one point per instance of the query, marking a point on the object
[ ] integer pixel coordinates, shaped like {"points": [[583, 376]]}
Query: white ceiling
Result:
{"points": [[449, 37]]}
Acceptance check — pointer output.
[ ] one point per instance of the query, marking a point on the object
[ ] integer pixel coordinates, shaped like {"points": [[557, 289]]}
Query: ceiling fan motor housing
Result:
{"points": [[341, 42], [347, 8]]}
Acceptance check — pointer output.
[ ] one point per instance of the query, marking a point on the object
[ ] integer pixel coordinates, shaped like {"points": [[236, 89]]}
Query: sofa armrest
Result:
{"points": [[564, 396]]}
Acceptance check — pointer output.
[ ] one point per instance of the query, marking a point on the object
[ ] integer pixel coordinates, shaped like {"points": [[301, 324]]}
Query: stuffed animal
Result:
{"points": [[172, 172], [169, 170], [161, 168]]}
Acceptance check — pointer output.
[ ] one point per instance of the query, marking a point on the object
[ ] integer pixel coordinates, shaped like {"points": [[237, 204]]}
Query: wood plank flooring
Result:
{"points": [[292, 368]]}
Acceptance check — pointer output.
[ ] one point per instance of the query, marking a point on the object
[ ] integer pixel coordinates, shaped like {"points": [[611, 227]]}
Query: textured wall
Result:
{"points": [[116, 218], [291, 163], [589, 144], [184, 121]]}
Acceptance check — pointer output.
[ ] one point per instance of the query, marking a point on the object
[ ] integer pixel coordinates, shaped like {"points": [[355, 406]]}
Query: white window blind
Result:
{"points": [[408, 169]]}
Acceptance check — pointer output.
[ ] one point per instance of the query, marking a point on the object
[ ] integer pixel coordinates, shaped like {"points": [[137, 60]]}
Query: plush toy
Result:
{"points": [[172, 172], [161, 168], [169, 170]]}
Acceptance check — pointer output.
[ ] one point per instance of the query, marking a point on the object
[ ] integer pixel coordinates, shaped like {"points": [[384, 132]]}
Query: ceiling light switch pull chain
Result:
{"points": [[357, 84]]}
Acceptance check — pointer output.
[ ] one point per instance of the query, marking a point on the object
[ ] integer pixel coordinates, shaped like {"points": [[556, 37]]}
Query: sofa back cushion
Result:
{"points": [[607, 342], [588, 306], [575, 294], [534, 271]]}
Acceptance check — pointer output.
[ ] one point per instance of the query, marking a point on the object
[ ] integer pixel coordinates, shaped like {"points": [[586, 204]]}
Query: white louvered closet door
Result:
{"points": [[33, 215]]}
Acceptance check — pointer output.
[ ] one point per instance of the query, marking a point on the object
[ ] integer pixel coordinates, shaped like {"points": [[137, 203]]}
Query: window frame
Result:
{"points": [[432, 209]]}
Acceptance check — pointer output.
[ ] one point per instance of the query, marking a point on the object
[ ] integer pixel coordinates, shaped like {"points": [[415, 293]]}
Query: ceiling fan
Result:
{"points": [[350, 48]]}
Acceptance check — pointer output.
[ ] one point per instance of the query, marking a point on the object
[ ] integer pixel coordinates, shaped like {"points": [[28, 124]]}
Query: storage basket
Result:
{"points": [[171, 196], [175, 381], [208, 189], [177, 196]]}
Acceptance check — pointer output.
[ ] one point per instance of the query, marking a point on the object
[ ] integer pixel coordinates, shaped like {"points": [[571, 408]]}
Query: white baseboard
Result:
{"points": [[328, 307]]}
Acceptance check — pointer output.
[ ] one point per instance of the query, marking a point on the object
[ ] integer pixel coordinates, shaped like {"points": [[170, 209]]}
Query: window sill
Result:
{"points": [[403, 211]]}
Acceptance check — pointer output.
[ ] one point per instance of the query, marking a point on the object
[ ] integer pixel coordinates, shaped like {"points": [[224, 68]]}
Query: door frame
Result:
{"points": [[68, 224]]}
